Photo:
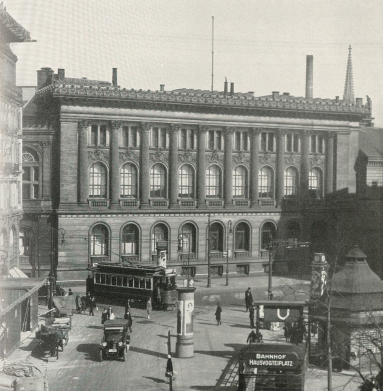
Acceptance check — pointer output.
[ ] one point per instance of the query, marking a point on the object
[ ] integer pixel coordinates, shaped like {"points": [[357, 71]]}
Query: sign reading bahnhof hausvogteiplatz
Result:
{"points": [[271, 360]]}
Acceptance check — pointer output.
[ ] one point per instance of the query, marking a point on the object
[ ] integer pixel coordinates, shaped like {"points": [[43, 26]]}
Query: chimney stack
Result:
{"points": [[359, 102], [231, 89], [114, 78], [44, 77], [275, 94], [309, 76], [225, 87], [61, 74], [162, 87]]}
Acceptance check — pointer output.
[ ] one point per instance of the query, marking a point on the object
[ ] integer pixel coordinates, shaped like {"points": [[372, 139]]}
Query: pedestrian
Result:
{"points": [[251, 316], [128, 305], [128, 317], [104, 316], [248, 298], [149, 307], [110, 313], [218, 312], [92, 305], [287, 331], [78, 307], [169, 369], [70, 293]]}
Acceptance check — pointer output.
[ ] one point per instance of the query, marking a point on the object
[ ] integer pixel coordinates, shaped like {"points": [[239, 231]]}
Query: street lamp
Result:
{"points": [[180, 251], [229, 232]]}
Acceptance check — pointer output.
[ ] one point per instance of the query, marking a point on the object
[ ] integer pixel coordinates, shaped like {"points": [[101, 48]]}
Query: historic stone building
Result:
{"points": [[10, 143], [121, 169]]}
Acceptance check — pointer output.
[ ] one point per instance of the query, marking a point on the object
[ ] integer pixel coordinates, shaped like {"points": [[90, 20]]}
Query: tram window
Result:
{"points": [[125, 281], [119, 280], [148, 283], [102, 278], [97, 278], [142, 283], [107, 278], [131, 282], [114, 280], [136, 282]]}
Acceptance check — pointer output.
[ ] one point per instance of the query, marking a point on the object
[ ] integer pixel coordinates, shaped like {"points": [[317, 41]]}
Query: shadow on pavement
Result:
{"points": [[90, 350], [146, 351], [144, 321], [155, 379], [95, 327], [241, 326]]}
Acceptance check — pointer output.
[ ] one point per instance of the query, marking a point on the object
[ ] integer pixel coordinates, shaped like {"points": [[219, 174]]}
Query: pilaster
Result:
{"points": [[173, 166], [144, 165], [228, 168], [114, 163], [329, 163], [280, 166], [254, 166], [305, 164], [201, 169]]}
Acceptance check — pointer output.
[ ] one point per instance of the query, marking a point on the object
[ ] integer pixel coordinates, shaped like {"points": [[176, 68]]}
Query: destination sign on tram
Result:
{"points": [[272, 360]]}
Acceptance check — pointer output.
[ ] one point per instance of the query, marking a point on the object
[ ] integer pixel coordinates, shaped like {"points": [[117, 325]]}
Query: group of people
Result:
{"points": [[296, 332], [85, 302]]}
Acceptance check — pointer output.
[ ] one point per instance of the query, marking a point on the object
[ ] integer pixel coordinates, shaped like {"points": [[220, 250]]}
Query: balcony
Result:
{"points": [[266, 202], [216, 254], [132, 258], [241, 203], [241, 254], [164, 204], [214, 203], [187, 203], [184, 256], [99, 258], [129, 203], [98, 203]]}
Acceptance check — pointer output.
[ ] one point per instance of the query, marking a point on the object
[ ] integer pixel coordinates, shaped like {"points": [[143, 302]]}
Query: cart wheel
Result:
{"points": [[101, 355]]}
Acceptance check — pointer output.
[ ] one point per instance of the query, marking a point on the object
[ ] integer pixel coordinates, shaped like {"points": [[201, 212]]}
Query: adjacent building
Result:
{"points": [[213, 174]]}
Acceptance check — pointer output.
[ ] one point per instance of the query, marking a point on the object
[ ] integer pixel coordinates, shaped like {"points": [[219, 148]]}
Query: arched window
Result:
{"points": [[159, 233], [213, 181], [240, 182], [128, 181], [293, 232], [186, 181], [130, 240], [99, 240], [315, 183], [268, 234], [216, 237], [242, 237], [31, 174], [291, 182], [158, 187], [97, 180], [188, 239], [266, 182]]}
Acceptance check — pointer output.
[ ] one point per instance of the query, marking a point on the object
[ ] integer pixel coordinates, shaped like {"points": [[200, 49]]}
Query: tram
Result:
{"points": [[118, 283]]}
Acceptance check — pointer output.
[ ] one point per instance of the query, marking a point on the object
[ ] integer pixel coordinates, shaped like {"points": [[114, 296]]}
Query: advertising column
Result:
{"points": [[185, 344]]}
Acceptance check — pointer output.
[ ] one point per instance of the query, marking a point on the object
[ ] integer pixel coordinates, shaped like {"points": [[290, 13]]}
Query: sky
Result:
{"points": [[260, 45]]}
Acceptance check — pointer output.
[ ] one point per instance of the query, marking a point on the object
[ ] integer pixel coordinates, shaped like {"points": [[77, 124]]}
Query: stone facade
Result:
{"points": [[133, 167]]}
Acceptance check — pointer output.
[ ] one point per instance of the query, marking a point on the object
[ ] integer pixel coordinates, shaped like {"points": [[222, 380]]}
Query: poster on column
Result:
{"points": [[189, 311]]}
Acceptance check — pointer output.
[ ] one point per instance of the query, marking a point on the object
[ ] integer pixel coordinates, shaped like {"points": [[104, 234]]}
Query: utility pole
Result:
{"points": [[208, 253]]}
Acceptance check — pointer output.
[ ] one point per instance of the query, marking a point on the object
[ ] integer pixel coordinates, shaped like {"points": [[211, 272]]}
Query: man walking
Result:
{"points": [[218, 312], [128, 317], [248, 299]]}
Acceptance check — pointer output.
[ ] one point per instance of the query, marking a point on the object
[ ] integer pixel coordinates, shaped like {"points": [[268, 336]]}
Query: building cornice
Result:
{"points": [[97, 95]]}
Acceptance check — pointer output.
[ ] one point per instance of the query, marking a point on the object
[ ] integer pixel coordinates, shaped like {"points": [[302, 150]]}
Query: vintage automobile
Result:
{"points": [[115, 342]]}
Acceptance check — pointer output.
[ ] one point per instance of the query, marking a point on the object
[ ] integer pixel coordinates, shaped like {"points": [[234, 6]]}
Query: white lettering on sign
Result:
{"points": [[271, 356], [274, 363]]}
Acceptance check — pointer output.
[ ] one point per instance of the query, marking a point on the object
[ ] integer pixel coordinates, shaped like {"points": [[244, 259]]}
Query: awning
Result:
{"points": [[15, 272]]}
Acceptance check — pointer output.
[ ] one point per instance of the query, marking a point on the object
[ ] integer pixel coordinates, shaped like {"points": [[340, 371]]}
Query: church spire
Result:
{"points": [[348, 95]]}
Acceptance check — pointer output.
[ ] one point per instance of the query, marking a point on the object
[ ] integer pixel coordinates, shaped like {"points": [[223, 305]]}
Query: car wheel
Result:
{"points": [[101, 355], [123, 355]]}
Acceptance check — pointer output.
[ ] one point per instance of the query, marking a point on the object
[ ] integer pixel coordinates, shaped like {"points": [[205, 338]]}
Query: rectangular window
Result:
{"points": [[184, 138], [125, 281], [93, 135], [270, 144], [191, 139], [296, 143], [131, 282], [218, 137], [162, 138], [136, 282], [103, 279], [320, 144], [313, 143], [154, 137], [245, 141], [114, 280], [289, 142], [107, 279], [267, 142], [133, 137], [237, 141], [211, 139], [125, 136], [97, 278], [148, 283]]}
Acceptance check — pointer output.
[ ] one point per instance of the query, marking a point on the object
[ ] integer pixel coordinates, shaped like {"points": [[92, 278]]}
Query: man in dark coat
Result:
{"points": [[218, 312], [169, 368], [128, 317], [92, 305], [248, 299], [251, 316]]}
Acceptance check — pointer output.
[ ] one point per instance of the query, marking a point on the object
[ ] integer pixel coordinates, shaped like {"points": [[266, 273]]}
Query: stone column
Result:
{"points": [[46, 170], [201, 167], [305, 164], [173, 166], [114, 163], [228, 168], [254, 166], [280, 166], [83, 162], [144, 166], [329, 163]]}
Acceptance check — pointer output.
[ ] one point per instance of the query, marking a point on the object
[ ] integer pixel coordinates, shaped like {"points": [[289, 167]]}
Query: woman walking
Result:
{"points": [[149, 307]]}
